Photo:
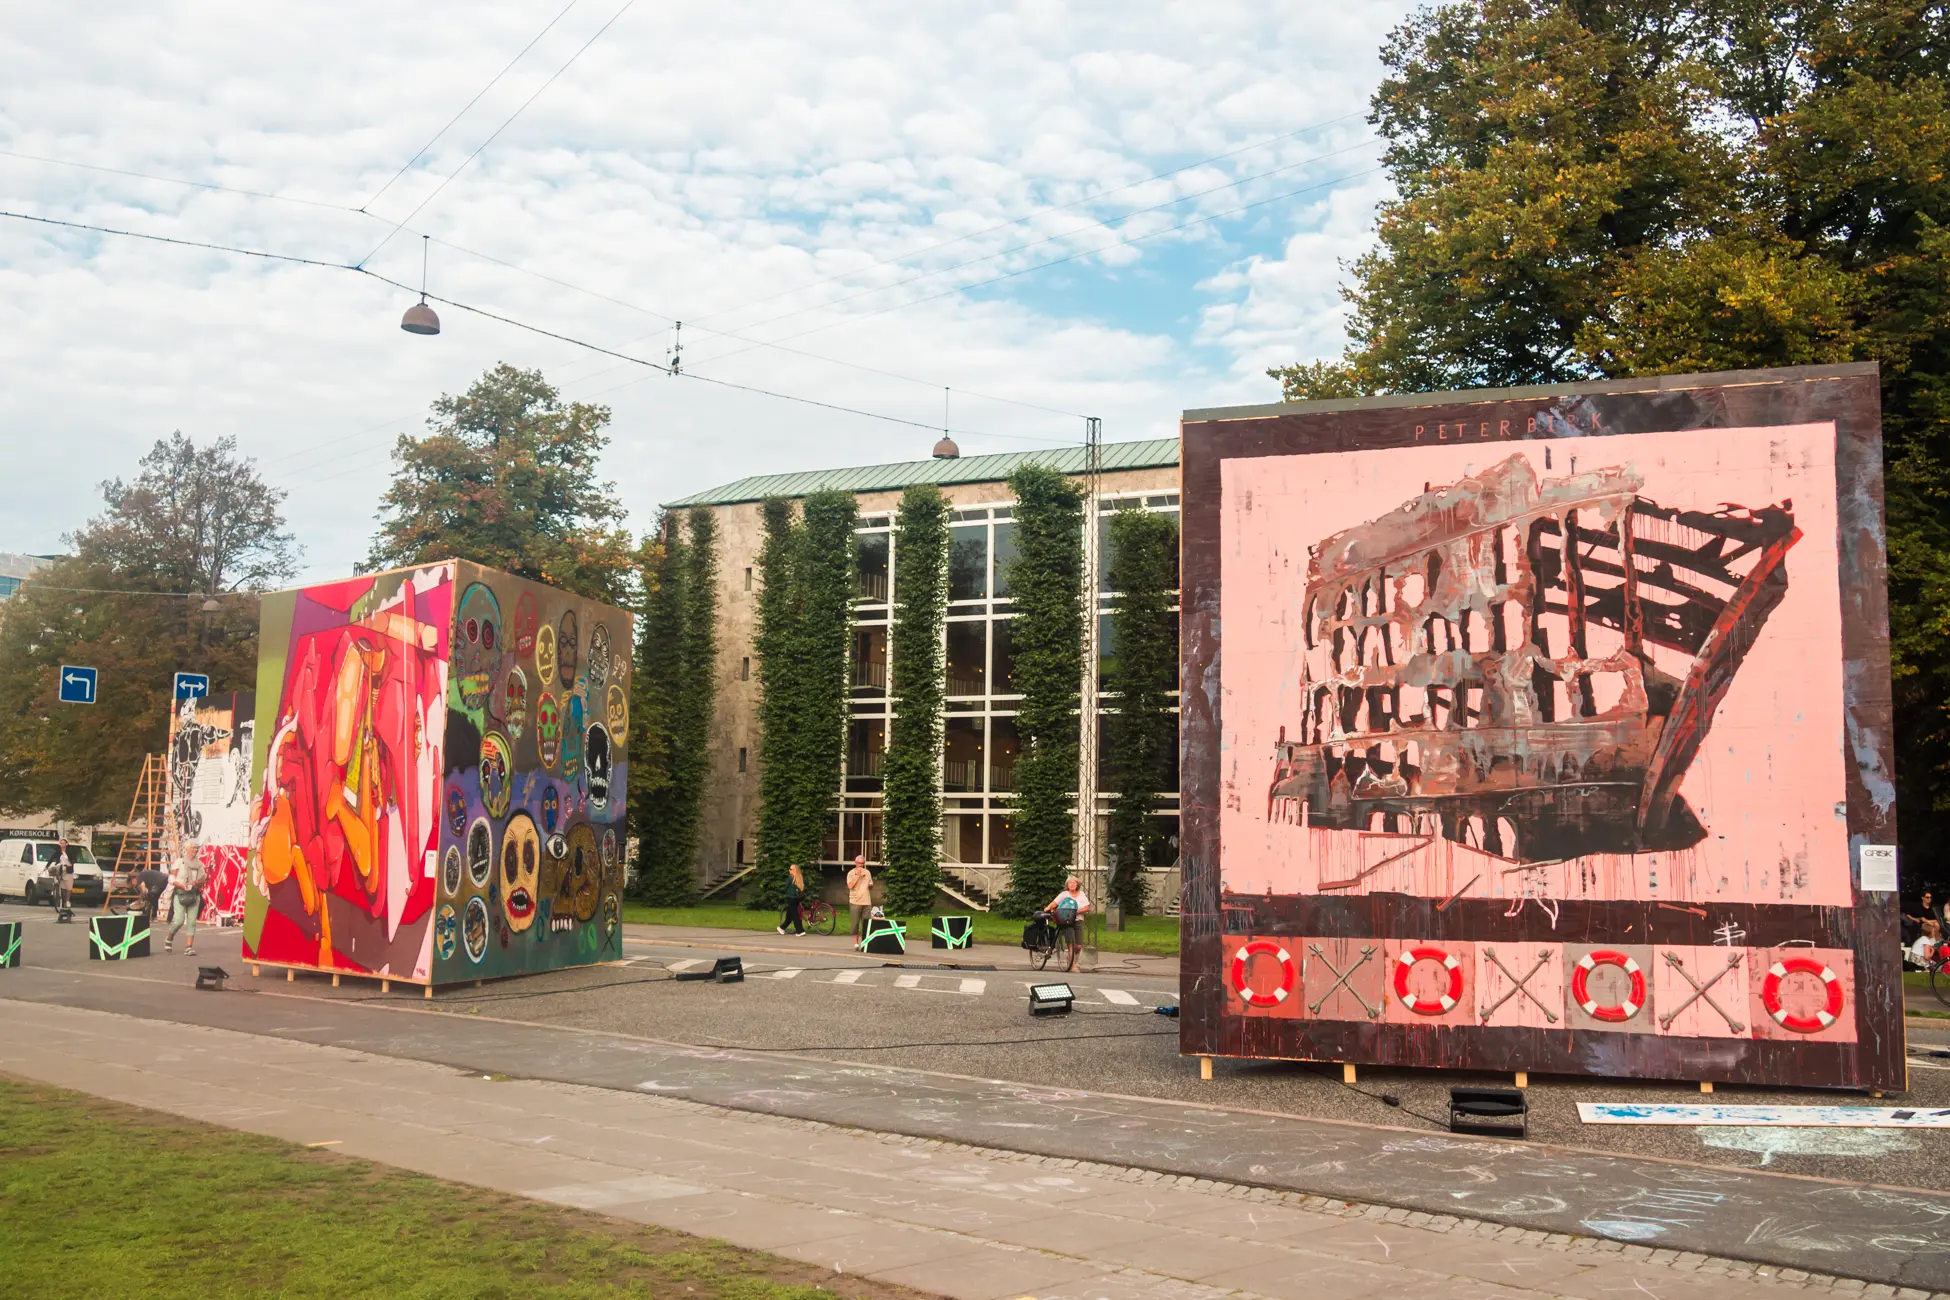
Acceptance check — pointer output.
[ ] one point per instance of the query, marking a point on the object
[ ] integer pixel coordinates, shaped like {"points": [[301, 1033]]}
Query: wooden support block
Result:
{"points": [[1523, 1078], [477, 983], [335, 979], [290, 975], [255, 972], [385, 986], [429, 992], [1205, 1067], [1347, 1072], [1705, 1086]]}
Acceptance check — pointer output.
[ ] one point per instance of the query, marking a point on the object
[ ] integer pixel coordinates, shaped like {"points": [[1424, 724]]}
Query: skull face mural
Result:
{"points": [[514, 703], [521, 860], [572, 739], [480, 852], [565, 650], [619, 711], [551, 807], [526, 621], [598, 661], [545, 654], [477, 647], [548, 730], [597, 756], [496, 775], [585, 871]]}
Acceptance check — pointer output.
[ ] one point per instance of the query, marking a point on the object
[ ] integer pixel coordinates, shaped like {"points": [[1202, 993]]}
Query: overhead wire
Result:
{"points": [[627, 6], [492, 83]]}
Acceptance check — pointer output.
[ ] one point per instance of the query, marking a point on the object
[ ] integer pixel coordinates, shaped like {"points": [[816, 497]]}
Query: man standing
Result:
{"points": [[185, 902], [859, 897], [63, 876]]}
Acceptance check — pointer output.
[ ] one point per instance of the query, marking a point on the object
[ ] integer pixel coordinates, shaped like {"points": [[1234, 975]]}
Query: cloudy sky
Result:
{"points": [[1093, 208]]}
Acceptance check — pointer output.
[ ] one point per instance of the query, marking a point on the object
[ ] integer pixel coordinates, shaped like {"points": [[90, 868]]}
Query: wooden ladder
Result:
{"points": [[146, 848]]}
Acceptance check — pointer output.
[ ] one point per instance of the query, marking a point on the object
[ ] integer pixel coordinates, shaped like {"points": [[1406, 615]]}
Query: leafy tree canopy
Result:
{"points": [[506, 477], [196, 523]]}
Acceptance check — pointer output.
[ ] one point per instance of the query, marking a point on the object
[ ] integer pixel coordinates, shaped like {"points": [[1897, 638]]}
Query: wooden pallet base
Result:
{"points": [[385, 982]]}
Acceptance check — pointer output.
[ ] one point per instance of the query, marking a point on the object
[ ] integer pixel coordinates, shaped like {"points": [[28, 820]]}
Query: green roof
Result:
{"points": [[1151, 453]]}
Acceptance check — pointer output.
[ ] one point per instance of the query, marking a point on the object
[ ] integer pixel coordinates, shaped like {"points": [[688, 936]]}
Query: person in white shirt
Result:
{"points": [[1069, 908]]}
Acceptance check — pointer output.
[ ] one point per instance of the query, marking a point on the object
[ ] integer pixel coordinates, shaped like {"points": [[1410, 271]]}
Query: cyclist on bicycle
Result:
{"points": [[1067, 909]]}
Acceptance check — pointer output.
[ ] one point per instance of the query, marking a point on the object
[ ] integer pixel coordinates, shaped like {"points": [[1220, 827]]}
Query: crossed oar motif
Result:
{"points": [[1701, 991], [1518, 986], [1341, 978]]}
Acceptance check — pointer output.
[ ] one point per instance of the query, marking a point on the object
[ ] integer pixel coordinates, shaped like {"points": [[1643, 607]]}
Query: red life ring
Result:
{"points": [[1634, 1001], [1428, 1006], [1770, 994], [1289, 974]]}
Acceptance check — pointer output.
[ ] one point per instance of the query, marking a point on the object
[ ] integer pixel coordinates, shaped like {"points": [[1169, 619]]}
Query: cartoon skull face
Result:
{"points": [[551, 807], [526, 621], [572, 729], [565, 650], [598, 660], [548, 729], [521, 860], [480, 852], [584, 871], [478, 647], [514, 704], [597, 757]]}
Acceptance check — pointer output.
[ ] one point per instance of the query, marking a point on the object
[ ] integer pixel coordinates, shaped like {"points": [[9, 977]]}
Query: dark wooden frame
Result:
{"points": [[1849, 396]]}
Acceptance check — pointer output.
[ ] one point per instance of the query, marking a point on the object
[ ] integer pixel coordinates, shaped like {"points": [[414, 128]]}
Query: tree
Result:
{"points": [[1142, 681], [1046, 584], [804, 616], [196, 525], [676, 692], [506, 477], [913, 808], [1612, 188]]}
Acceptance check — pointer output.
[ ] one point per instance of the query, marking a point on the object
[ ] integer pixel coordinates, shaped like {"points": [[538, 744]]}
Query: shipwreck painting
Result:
{"points": [[1542, 732]]}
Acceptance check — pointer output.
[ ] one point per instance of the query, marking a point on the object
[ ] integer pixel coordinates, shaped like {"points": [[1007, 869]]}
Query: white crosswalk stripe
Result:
{"points": [[974, 988], [689, 963], [907, 981], [789, 972], [848, 977], [1118, 997]]}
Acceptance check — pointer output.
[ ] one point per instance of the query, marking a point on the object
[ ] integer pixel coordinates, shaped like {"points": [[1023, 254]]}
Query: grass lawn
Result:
{"points": [[97, 1198], [1155, 935]]}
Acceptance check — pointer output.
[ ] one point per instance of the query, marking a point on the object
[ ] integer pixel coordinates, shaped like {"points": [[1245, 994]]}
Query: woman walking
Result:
{"points": [[185, 902], [795, 891]]}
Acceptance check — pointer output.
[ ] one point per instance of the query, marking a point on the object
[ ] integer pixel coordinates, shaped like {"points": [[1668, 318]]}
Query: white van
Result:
{"points": [[25, 863]]}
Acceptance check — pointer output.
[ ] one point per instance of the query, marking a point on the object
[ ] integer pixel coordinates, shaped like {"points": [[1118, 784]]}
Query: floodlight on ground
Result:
{"points": [[1050, 999], [1488, 1112]]}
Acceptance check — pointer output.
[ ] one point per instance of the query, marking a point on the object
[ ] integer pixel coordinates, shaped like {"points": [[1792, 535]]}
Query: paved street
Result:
{"points": [[965, 1222], [624, 1027]]}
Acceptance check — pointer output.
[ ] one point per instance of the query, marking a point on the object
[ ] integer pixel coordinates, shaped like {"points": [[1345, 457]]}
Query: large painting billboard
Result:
{"points": [[209, 809], [442, 776], [1544, 730]]}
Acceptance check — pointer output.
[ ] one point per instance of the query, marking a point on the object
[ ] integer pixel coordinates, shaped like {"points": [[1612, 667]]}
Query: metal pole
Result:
{"points": [[1086, 836]]}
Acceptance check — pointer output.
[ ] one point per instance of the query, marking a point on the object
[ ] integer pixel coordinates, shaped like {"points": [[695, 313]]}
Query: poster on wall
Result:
{"points": [[442, 783], [210, 793], [1544, 730]]}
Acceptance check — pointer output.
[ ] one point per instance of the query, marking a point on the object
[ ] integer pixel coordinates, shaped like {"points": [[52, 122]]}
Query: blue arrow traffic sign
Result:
{"points": [[192, 686], [77, 685]]}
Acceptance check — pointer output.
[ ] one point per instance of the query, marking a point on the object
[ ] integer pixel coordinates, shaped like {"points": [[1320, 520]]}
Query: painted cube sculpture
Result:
{"points": [[1542, 730], [441, 779]]}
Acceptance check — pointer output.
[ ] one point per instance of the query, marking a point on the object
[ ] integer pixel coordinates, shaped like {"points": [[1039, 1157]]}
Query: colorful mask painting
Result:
{"points": [[566, 651], [521, 861], [548, 730], [477, 663]]}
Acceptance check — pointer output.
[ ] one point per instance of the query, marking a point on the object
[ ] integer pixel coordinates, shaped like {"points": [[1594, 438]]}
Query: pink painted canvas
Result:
{"points": [[1595, 668]]}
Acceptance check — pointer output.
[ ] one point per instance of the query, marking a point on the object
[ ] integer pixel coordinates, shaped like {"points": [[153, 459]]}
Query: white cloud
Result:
{"points": [[713, 162]]}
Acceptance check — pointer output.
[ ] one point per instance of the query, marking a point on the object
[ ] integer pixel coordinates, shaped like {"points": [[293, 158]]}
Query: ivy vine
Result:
{"points": [[673, 692], [1142, 679], [804, 618], [913, 787], [1045, 581]]}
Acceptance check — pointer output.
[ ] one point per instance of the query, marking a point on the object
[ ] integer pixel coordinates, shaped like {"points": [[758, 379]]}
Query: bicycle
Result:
{"points": [[1042, 938], [1938, 967], [816, 914]]}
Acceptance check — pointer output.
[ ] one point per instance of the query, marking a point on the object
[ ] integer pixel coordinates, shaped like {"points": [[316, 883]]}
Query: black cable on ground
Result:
{"points": [[1388, 1099]]}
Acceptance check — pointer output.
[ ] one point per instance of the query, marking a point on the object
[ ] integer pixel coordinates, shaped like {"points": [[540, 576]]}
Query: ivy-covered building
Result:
{"points": [[980, 739]]}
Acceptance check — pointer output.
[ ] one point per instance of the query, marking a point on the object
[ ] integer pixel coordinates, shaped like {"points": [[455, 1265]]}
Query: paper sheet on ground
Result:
{"points": [[1600, 1112]]}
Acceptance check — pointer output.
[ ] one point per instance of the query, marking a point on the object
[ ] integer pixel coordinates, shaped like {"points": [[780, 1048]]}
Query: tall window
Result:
{"points": [[980, 741]]}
